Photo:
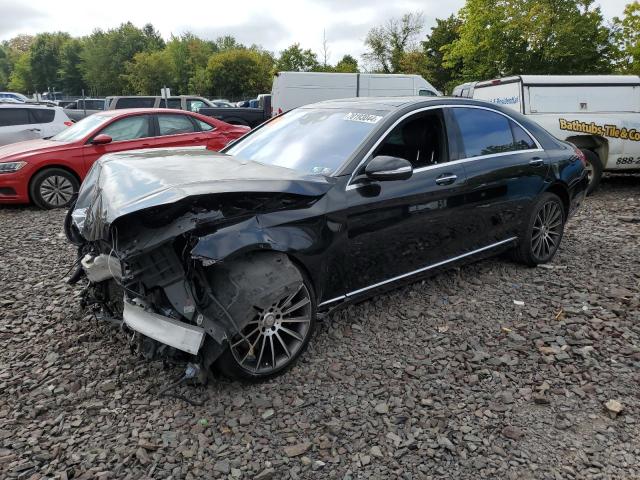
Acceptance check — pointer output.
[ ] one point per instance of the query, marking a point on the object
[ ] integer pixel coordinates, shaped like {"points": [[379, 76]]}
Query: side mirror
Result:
{"points": [[388, 168], [101, 139]]}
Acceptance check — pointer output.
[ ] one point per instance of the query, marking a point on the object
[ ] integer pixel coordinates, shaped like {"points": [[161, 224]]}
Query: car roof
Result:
{"points": [[128, 111], [28, 105]]}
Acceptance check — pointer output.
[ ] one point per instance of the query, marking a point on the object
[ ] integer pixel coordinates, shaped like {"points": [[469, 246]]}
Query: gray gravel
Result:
{"points": [[489, 371]]}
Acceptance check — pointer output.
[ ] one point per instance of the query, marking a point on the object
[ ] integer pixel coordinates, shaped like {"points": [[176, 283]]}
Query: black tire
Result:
{"points": [[594, 167], [548, 211], [53, 188], [240, 360]]}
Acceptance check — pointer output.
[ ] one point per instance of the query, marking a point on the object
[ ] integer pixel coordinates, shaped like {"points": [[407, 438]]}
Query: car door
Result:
{"points": [[178, 130], [16, 126], [42, 119], [128, 133], [505, 167], [401, 226]]}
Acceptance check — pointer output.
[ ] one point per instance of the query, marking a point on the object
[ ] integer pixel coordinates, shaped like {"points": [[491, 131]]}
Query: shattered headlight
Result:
{"points": [[8, 167]]}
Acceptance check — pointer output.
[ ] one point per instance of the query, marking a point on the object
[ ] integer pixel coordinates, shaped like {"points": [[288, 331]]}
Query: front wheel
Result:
{"points": [[53, 188], [543, 233], [274, 337]]}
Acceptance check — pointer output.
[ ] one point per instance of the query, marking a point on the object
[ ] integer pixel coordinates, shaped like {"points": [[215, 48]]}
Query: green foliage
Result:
{"points": [[186, 55], [295, 59], [506, 37], [45, 59], [69, 72], [347, 64], [239, 73], [627, 38], [148, 72], [444, 33], [20, 78], [387, 44], [106, 54]]}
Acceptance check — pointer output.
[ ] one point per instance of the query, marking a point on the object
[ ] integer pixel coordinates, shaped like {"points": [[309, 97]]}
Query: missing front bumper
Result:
{"points": [[174, 333]]}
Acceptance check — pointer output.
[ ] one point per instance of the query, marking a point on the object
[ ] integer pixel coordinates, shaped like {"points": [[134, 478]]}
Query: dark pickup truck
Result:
{"points": [[252, 117]]}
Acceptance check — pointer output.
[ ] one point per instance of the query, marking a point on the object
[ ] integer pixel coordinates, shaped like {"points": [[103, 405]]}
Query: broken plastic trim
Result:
{"points": [[174, 333], [101, 267]]}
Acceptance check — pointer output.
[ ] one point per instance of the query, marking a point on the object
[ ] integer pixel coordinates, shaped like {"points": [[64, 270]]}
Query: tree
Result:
{"points": [[106, 54], [69, 72], [228, 42], [45, 59], [388, 43], [20, 78], [240, 73], [186, 55], [505, 37], [148, 72], [627, 38], [444, 33], [294, 59], [347, 64]]}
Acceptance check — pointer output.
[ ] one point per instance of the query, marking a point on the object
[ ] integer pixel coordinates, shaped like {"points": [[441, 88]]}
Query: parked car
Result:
{"points": [[249, 116], [78, 109], [15, 96], [182, 102], [48, 172], [26, 121], [295, 89], [233, 258], [600, 114]]}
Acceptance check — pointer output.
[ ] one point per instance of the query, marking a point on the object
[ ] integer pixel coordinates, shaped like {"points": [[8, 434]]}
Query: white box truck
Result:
{"points": [[295, 89], [600, 114]]}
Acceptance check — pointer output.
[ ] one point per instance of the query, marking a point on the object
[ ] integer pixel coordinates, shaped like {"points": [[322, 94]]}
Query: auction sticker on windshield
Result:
{"points": [[362, 117]]}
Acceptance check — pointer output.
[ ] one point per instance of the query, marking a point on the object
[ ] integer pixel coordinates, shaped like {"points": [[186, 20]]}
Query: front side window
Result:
{"points": [[175, 124], [129, 128], [13, 116], [195, 105], [421, 140], [427, 93], [309, 140], [485, 133]]}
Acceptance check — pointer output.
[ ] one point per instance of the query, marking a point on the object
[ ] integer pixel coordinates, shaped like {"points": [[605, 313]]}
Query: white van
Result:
{"points": [[598, 113], [295, 89]]}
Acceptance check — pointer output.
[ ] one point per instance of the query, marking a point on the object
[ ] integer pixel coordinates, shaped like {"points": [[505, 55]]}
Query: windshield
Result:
{"points": [[315, 141], [81, 129]]}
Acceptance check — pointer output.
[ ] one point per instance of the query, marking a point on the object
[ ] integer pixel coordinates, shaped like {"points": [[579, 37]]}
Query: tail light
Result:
{"points": [[581, 156], [68, 124], [279, 111]]}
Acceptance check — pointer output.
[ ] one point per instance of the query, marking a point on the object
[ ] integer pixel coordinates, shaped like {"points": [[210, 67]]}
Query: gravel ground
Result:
{"points": [[489, 371]]}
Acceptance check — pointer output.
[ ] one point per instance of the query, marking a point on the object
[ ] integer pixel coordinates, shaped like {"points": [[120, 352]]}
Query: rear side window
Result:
{"points": [[13, 116], [128, 128], [204, 126], [172, 102], [148, 102], [485, 132], [41, 115], [175, 124]]}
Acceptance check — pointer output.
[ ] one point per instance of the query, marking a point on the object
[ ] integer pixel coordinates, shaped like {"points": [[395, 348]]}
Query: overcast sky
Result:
{"points": [[274, 24]]}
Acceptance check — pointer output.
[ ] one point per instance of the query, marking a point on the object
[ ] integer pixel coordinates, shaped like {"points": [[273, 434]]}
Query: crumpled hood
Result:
{"points": [[122, 183]]}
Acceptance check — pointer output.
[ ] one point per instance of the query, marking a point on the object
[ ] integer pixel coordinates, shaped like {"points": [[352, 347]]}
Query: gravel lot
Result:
{"points": [[449, 378]]}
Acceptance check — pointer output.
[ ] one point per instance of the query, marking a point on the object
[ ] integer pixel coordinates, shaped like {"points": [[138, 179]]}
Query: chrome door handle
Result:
{"points": [[536, 162], [34, 130], [446, 179]]}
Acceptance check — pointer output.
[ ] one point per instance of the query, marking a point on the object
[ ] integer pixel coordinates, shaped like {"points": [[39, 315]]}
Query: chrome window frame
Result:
{"points": [[368, 156]]}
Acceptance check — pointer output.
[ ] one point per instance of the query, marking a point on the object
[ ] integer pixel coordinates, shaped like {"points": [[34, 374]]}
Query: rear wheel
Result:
{"points": [[53, 188], [275, 336], [543, 233], [594, 170]]}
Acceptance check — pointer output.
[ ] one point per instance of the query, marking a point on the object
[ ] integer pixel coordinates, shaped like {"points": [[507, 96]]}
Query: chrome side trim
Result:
{"points": [[393, 172], [429, 267], [327, 302], [434, 107]]}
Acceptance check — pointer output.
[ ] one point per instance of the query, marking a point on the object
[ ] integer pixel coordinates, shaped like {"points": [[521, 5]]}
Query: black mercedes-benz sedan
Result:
{"points": [[230, 257]]}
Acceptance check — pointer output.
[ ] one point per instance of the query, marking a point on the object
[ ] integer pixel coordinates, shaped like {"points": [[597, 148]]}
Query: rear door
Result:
{"points": [[177, 130], [16, 126], [505, 167], [128, 133], [42, 118]]}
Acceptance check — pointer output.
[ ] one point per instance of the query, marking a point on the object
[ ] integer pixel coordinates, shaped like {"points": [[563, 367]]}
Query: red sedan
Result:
{"points": [[49, 172]]}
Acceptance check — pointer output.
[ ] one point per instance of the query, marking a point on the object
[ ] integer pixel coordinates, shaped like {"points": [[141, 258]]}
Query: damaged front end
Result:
{"points": [[173, 257]]}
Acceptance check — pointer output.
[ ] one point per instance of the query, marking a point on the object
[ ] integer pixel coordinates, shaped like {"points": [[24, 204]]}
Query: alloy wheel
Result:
{"points": [[56, 190], [274, 337], [547, 230]]}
